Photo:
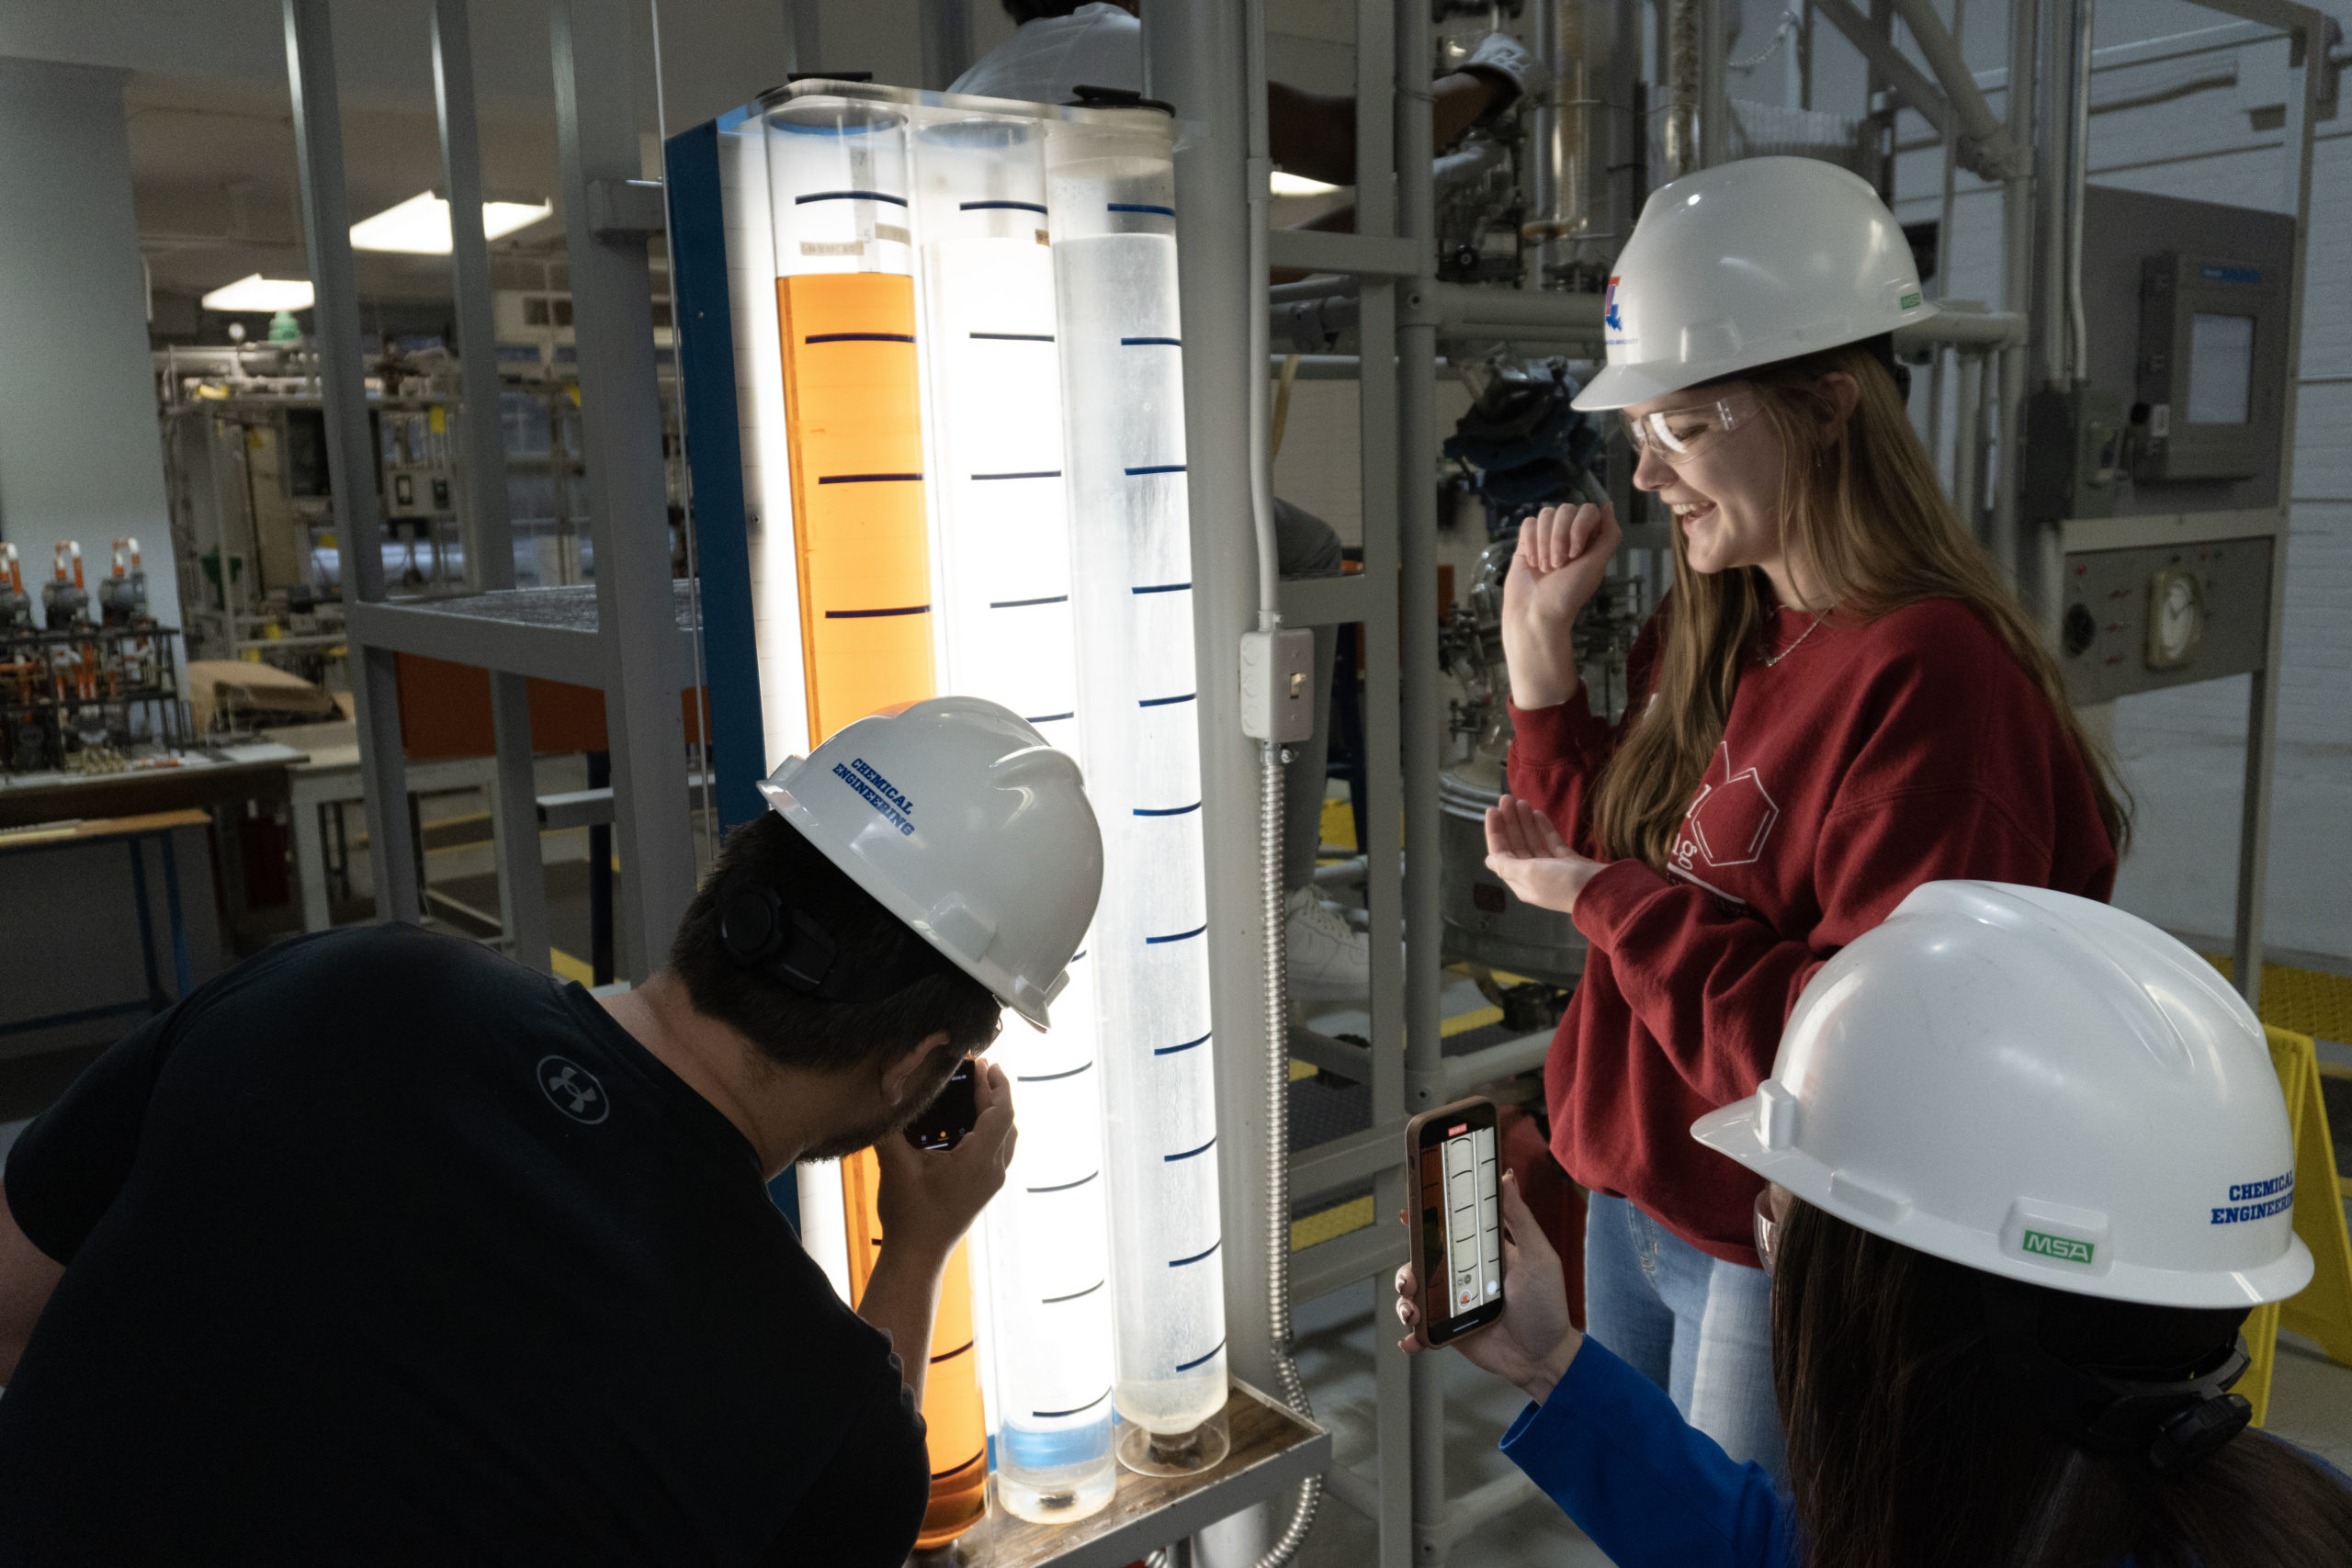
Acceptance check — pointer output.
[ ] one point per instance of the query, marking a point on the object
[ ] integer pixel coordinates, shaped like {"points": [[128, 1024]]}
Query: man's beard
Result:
{"points": [[936, 1071]]}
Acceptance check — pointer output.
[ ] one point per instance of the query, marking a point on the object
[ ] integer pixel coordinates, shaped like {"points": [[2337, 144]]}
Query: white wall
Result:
{"points": [[79, 454]]}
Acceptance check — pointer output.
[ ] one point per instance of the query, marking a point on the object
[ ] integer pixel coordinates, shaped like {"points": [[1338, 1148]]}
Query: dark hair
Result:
{"points": [[1908, 1445], [791, 1027], [1032, 10]]}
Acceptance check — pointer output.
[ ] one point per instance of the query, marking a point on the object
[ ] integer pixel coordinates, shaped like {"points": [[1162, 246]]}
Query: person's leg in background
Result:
{"points": [[1621, 1309], [1732, 1398], [1719, 1369], [1329, 959]]}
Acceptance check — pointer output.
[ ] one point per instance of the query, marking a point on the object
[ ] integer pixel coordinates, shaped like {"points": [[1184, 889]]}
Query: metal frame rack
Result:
{"points": [[583, 636]]}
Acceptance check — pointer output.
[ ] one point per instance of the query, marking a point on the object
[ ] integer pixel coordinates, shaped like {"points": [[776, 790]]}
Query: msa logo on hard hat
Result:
{"points": [[1613, 318], [877, 792], [2065, 1248]]}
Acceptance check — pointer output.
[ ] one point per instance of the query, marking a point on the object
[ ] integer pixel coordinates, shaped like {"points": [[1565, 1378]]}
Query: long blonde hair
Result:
{"points": [[1861, 505]]}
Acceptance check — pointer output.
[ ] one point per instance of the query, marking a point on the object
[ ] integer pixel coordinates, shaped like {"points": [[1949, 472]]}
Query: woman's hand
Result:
{"points": [[1563, 552], [1535, 861], [1532, 1343]]}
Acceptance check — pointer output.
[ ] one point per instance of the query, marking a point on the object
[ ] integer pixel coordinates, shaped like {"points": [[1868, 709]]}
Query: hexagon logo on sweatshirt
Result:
{"points": [[1729, 823]]}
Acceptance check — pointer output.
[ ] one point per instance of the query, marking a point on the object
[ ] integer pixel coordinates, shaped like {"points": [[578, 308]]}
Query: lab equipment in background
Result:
{"points": [[1483, 923], [122, 593], [2155, 478], [76, 695], [65, 602], [16, 604]]}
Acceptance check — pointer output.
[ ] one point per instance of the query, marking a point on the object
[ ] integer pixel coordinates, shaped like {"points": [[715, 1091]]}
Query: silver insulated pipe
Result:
{"points": [[1559, 144]]}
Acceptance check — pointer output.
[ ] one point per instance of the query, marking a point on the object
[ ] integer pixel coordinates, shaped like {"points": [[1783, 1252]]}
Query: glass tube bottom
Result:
{"points": [[1055, 1478], [1148, 1453]]}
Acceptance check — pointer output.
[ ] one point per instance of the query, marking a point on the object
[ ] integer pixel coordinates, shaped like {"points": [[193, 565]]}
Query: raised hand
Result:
{"points": [[1526, 850], [1562, 555]]}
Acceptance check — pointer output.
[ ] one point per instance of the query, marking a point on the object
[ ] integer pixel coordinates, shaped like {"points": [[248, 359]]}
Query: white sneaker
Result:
{"points": [[1329, 960]]}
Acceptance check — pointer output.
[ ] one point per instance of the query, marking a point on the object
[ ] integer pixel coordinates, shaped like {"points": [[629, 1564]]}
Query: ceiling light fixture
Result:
{"points": [[1299, 184], [420, 226], [261, 295]]}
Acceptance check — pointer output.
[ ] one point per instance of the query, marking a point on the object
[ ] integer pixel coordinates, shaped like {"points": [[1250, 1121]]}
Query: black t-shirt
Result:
{"points": [[384, 1249]]}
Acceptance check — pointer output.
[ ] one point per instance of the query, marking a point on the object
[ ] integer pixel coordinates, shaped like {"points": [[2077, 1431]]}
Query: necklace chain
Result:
{"points": [[1771, 659]]}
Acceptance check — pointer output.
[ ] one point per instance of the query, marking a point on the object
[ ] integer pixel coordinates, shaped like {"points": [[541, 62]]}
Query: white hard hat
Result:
{"points": [[2039, 1087], [1747, 264], [959, 819]]}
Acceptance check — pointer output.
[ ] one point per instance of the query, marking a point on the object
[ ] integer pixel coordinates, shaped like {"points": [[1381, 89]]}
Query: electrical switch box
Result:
{"points": [[1278, 685]]}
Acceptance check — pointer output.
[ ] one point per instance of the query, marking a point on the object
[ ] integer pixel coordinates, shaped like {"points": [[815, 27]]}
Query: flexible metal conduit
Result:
{"points": [[1274, 958]]}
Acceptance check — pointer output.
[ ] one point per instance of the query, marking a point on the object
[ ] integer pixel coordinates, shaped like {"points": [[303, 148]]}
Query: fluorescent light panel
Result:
{"points": [[420, 226], [258, 294]]}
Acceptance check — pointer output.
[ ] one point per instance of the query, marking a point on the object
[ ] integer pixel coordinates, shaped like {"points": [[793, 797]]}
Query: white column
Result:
{"points": [[80, 457]]}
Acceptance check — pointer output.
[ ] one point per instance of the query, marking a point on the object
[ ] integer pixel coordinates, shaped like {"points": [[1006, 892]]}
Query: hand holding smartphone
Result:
{"points": [[1456, 1228], [947, 1120]]}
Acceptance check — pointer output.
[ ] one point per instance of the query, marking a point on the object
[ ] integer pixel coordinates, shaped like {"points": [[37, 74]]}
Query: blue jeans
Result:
{"points": [[1697, 1326]]}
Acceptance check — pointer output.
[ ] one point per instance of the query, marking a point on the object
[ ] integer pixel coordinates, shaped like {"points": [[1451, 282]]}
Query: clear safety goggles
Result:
{"points": [[1768, 1229], [1680, 435]]}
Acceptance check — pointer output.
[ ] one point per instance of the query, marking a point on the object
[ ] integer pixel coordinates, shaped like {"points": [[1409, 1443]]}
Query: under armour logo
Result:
{"points": [[573, 1089]]}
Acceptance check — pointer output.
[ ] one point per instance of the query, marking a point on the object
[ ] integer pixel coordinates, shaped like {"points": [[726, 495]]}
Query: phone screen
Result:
{"points": [[1460, 1223], [944, 1122]]}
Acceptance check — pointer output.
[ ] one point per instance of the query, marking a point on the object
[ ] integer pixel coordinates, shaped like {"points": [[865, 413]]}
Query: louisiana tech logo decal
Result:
{"points": [[1612, 317]]}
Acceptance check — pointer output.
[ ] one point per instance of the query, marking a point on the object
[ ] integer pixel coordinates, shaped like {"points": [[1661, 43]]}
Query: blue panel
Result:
{"points": [[706, 336]]}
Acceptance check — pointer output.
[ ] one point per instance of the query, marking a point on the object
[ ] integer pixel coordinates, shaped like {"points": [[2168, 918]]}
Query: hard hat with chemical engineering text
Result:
{"points": [[2039, 1087], [1747, 264], [959, 819]]}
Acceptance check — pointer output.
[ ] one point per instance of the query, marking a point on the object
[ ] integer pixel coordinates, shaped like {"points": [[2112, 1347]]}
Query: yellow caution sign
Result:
{"points": [[2324, 1309]]}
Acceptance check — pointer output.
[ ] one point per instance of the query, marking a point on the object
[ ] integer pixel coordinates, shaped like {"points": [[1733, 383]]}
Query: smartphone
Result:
{"points": [[943, 1124], [1457, 1237]]}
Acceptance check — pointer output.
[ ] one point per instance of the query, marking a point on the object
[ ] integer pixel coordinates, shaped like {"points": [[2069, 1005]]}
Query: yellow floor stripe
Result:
{"points": [[570, 968], [1299, 1069], [1339, 824], [2304, 1001], [1338, 1221], [1462, 1024]]}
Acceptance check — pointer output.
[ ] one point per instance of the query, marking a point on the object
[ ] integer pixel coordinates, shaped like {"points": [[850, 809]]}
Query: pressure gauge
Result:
{"points": [[2176, 618]]}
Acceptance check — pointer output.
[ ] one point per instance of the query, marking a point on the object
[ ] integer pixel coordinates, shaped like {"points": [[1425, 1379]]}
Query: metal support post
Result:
{"points": [[803, 51], [1421, 719], [490, 542], [2016, 278], [946, 42], [2262, 703], [628, 508], [1376, 414], [1715, 89], [351, 460]]}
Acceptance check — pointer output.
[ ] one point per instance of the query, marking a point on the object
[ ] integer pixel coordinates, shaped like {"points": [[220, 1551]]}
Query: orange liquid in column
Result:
{"points": [[951, 1400], [856, 439]]}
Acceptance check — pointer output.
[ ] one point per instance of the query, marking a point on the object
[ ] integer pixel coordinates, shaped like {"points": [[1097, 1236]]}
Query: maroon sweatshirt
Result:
{"points": [[1873, 757]]}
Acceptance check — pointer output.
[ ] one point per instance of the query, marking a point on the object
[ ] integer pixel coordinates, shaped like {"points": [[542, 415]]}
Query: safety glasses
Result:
{"points": [[1680, 435], [1768, 1229]]}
